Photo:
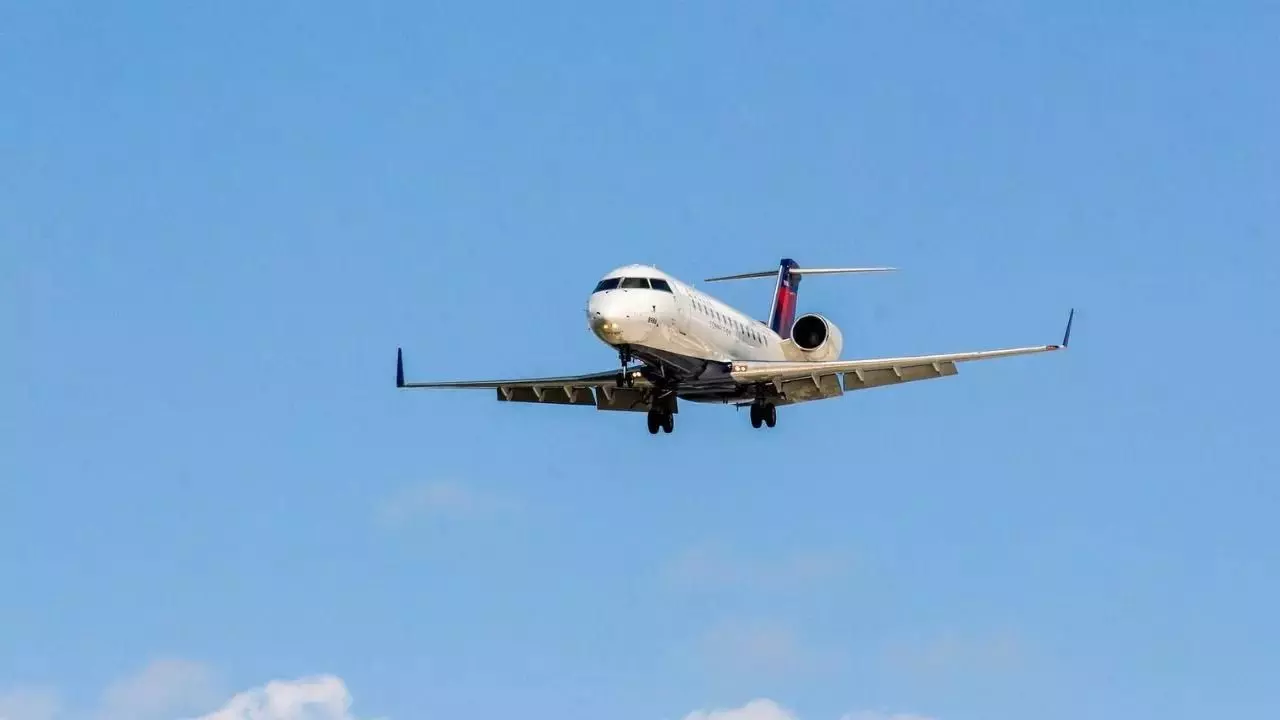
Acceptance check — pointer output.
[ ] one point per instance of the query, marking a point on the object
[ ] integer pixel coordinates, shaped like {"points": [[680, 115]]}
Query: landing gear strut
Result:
{"points": [[624, 357], [763, 413]]}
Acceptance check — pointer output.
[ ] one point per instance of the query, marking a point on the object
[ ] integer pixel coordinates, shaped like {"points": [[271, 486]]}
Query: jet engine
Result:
{"points": [[817, 338]]}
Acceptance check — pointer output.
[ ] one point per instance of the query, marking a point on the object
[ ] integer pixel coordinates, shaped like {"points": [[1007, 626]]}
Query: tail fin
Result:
{"points": [[783, 313]]}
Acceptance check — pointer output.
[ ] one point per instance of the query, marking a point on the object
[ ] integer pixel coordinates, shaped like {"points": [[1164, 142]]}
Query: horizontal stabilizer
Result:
{"points": [[802, 271]]}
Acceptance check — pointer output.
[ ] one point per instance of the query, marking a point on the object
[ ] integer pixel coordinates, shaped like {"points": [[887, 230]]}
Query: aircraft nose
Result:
{"points": [[614, 322], [608, 327]]}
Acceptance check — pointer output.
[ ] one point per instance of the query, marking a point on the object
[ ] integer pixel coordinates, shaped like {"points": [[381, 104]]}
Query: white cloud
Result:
{"points": [[170, 689], [162, 690], [766, 709], [29, 704], [321, 697], [438, 498], [761, 709], [163, 685]]}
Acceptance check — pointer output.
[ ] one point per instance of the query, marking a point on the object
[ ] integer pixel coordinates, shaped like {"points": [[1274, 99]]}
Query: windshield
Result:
{"points": [[633, 283]]}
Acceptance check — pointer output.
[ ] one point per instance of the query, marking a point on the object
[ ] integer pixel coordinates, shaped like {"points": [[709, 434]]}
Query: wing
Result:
{"points": [[599, 389], [797, 382]]}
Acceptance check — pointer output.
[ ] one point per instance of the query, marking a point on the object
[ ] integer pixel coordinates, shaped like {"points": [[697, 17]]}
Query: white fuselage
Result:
{"points": [[676, 318]]}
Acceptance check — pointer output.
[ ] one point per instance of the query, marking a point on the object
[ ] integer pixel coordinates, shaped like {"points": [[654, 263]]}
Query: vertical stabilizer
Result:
{"points": [[783, 313]]}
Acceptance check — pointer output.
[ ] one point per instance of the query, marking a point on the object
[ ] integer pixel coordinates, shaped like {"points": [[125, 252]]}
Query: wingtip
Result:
{"points": [[399, 368], [1066, 336]]}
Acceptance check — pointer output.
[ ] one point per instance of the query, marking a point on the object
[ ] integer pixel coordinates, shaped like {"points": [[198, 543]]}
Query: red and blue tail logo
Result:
{"points": [[783, 314]]}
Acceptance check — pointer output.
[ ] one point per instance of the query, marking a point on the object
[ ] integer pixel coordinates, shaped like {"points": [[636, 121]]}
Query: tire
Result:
{"points": [[653, 423], [771, 415], [668, 423], [756, 420]]}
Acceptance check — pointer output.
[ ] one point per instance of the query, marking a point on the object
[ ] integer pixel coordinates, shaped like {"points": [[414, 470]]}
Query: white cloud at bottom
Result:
{"points": [[766, 709], [160, 691], [761, 709], [326, 697], [320, 697], [164, 688]]}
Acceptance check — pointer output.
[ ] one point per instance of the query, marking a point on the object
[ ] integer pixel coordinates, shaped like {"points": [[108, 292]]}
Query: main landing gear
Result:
{"points": [[660, 418], [763, 413], [662, 410]]}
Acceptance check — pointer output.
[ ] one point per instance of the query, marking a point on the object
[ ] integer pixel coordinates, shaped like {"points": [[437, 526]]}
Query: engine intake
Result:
{"points": [[817, 337]]}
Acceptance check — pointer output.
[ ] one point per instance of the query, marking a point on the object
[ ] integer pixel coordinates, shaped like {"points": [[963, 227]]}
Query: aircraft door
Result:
{"points": [[680, 317]]}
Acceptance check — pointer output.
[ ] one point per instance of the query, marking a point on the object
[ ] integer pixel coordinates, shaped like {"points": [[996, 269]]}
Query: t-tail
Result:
{"points": [[782, 314]]}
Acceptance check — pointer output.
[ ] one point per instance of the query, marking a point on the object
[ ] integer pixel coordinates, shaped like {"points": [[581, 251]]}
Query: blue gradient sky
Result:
{"points": [[218, 221]]}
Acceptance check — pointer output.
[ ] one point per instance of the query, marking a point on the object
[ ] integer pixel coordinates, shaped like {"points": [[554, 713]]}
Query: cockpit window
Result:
{"points": [[633, 283]]}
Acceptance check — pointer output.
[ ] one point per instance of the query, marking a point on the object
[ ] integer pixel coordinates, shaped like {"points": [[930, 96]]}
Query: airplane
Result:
{"points": [[675, 342]]}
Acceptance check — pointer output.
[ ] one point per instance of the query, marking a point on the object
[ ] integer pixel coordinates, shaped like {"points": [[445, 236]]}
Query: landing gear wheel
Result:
{"points": [[756, 420], [660, 419], [770, 415]]}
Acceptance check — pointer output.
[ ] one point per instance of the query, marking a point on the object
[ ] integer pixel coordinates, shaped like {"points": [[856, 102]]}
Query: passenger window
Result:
{"points": [[607, 284], [635, 284], [660, 284]]}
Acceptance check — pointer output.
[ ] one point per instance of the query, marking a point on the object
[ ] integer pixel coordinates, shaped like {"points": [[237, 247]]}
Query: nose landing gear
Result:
{"points": [[624, 357]]}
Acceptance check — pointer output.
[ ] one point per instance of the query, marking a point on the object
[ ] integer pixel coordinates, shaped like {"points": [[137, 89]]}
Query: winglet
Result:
{"points": [[1066, 336], [399, 368]]}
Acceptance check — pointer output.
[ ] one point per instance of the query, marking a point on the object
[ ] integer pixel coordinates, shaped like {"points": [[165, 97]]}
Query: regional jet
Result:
{"points": [[675, 342]]}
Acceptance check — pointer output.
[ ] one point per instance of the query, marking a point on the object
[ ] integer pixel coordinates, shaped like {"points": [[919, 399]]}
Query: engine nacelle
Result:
{"points": [[817, 338]]}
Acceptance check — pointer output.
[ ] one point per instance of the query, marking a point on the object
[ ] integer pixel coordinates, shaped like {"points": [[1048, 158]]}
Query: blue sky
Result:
{"points": [[218, 222]]}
